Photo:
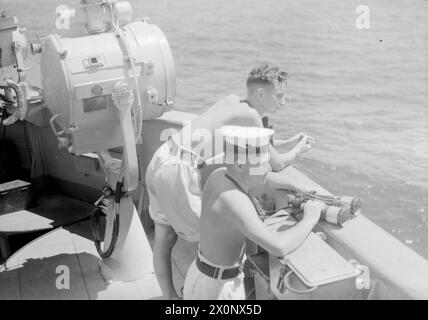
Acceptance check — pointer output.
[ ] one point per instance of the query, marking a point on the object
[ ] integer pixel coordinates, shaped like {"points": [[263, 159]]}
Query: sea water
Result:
{"points": [[361, 92]]}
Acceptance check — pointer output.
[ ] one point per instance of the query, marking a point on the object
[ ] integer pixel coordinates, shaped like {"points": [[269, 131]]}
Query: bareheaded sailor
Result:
{"points": [[229, 217]]}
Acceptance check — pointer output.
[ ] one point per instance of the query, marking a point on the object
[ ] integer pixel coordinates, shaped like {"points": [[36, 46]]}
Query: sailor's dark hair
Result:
{"points": [[264, 74]]}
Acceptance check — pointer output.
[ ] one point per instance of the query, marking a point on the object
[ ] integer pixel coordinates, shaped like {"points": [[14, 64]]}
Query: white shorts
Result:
{"points": [[198, 286], [174, 188]]}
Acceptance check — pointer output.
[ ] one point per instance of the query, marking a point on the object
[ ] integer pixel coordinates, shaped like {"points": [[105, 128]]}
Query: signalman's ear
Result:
{"points": [[260, 93]]}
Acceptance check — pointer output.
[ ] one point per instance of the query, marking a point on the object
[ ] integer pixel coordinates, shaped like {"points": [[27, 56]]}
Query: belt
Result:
{"points": [[214, 272]]}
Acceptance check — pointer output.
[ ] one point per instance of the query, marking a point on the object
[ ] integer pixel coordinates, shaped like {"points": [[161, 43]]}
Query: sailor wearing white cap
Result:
{"points": [[246, 145], [229, 217], [176, 173]]}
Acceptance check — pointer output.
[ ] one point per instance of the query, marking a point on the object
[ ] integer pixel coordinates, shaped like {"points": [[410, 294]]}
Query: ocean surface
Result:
{"points": [[362, 93]]}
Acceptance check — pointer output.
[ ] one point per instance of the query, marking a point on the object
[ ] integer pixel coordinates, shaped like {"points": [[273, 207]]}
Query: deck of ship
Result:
{"points": [[37, 269]]}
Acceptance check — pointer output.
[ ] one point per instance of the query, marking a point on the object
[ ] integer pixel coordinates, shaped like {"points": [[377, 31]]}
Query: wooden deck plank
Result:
{"points": [[50, 244], [53, 210], [9, 285], [39, 277], [88, 258], [62, 209], [22, 221], [147, 287], [120, 291], [37, 265], [31, 270]]}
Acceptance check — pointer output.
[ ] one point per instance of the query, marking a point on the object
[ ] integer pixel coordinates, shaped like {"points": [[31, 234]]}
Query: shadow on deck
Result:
{"points": [[42, 260]]}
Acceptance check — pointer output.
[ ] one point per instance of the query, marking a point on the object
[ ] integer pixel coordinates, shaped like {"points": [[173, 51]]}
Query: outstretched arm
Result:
{"points": [[302, 143], [279, 161], [278, 243]]}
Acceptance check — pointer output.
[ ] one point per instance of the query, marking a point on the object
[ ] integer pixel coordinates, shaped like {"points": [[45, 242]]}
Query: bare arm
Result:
{"points": [[278, 243], [280, 160], [281, 181]]}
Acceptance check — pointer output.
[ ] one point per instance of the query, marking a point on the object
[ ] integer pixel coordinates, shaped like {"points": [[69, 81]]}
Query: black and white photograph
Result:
{"points": [[235, 150]]}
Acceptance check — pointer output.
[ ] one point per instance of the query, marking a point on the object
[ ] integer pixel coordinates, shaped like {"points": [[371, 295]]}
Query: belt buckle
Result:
{"points": [[217, 274], [201, 165]]}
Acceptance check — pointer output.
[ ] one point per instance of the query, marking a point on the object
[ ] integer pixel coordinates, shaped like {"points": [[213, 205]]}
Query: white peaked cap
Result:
{"points": [[252, 142], [257, 134]]}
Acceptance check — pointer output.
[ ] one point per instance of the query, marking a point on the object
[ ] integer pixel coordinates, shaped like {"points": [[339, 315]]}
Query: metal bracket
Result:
{"points": [[62, 135], [123, 98], [21, 68], [97, 90], [63, 54], [322, 235], [284, 283], [362, 281], [168, 104], [280, 284], [109, 163], [148, 67], [153, 95]]}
